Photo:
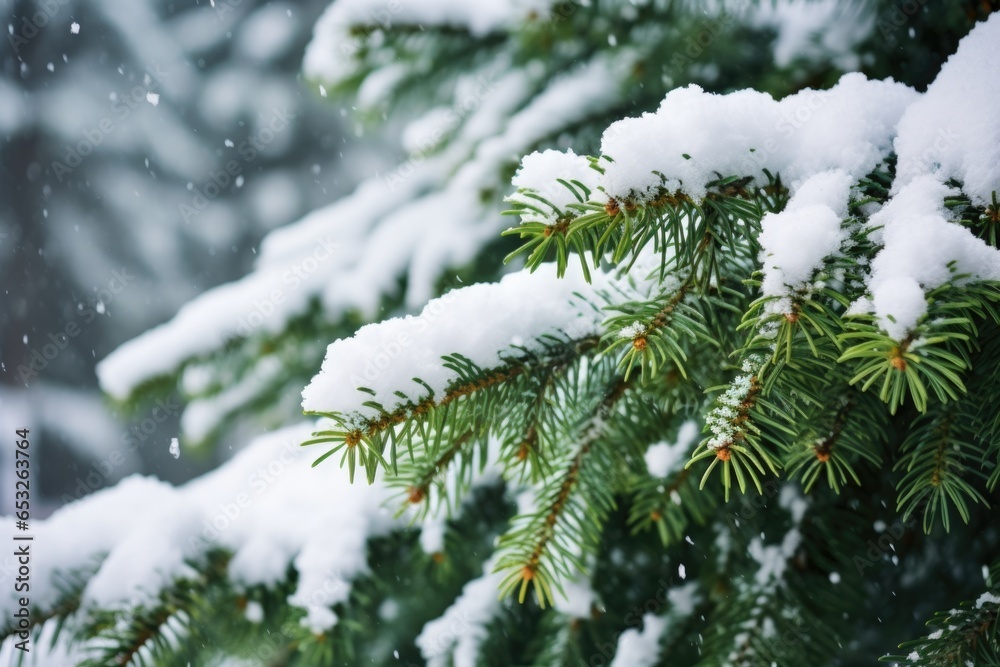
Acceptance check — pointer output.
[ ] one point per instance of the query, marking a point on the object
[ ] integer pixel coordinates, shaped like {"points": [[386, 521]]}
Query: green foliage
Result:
{"points": [[968, 634], [932, 359], [470, 410], [802, 389], [793, 396], [938, 459]]}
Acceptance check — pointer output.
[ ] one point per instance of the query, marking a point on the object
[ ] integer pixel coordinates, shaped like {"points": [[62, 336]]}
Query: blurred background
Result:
{"points": [[118, 119]]}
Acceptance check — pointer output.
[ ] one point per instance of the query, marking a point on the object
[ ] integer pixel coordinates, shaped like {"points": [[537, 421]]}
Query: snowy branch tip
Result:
{"points": [[484, 323]]}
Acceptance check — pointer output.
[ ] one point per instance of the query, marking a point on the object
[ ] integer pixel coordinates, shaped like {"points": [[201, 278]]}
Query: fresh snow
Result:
{"points": [[542, 171], [953, 130], [453, 640], [203, 416], [987, 598], [577, 598], [822, 143], [772, 559], [664, 458], [695, 136], [920, 239], [641, 648], [946, 134], [351, 254], [481, 322], [720, 420], [148, 529], [432, 531], [75, 536], [795, 241], [254, 612]]}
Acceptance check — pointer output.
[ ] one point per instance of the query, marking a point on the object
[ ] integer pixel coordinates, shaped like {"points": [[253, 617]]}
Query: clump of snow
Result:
{"points": [[254, 612], [694, 136], [77, 535], [432, 531], [795, 241], [664, 457], [576, 600], [197, 378], [481, 322], [792, 500], [318, 618], [947, 133], [987, 598], [153, 98], [453, 640], [148, 529], [175, 448], [74, 28], [540, 173], [633, 330], [919, 240], [379, 85], [772, 559], [953, 130], [641, 648], [426, 132]]}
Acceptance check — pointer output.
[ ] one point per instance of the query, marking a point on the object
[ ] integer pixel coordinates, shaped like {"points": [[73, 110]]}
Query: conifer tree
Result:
{"points": [[733, 401]]}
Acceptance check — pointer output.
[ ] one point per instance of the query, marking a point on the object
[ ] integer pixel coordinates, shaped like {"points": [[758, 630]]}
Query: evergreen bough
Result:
{"points": [[839, 492]]}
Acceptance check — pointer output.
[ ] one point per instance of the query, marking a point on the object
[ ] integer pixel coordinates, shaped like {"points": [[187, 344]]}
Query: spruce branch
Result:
{"points": [[420, 475], [670, 505], [700, 235], [808, 317], [966, 635], [736, 442], [541, 549], [938, 458], [477, 399], [835, 437], [653, 332], [930, 361], [160, 632]]}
